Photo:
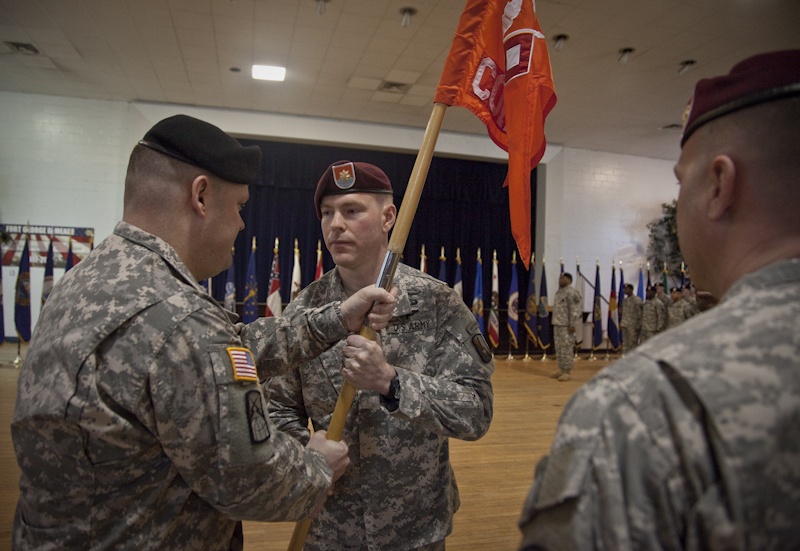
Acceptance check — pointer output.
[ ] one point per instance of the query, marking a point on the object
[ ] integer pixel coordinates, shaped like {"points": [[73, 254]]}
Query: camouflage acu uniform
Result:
{"points": [[654, 318], [690, 442], [678, 312], [631, 322], [566, 313], [134, 427], [399, 491]]}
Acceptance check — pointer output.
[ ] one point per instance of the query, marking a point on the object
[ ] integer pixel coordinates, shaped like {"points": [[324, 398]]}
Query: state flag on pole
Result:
{"points": [[543, 326], [22, 301], [498, 68], [274, 302], [230, 288], [442, 267], [532, 305], [297, 284], [2, 310], [47, 284], [318, 269], [612, 326], [250, 300], [581, 288], [458, 284], [640, 286], [70, 261], [620, 301], [494, 306], [597, 322], [477, 295], [513, 305]]}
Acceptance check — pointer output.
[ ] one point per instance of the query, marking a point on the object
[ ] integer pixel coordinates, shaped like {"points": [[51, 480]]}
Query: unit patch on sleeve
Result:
{"points": [[256, 417], [244, 368]]}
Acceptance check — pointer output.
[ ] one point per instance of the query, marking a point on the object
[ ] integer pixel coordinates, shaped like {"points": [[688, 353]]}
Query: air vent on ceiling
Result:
{"points": [[22, 48], [393, 87]]}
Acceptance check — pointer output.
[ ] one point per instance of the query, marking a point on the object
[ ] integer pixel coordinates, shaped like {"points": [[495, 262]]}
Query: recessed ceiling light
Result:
{"points": [[269, 72]]}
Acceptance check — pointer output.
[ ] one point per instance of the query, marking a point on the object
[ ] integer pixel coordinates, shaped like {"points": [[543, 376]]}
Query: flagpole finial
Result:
{"points": [[254, 243], [513, 257], [479, 253], [597, 260], [296, 247], [276, 243], [233, 250], [494, 255], [458, 255], [319, 246]]}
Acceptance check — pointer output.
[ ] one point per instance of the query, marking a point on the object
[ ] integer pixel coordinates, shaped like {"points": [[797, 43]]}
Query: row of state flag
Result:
{"points": [[22, 290]]}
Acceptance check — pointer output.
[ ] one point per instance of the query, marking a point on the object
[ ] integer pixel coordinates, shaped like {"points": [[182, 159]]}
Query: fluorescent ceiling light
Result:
{"points": [[268, 72]]}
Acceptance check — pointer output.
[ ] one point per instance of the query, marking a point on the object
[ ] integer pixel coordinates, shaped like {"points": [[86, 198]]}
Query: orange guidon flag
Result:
{"points": [[499, 69]]}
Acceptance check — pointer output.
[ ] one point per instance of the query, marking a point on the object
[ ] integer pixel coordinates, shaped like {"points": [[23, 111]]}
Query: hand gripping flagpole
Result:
{"points": [[397, 243]]}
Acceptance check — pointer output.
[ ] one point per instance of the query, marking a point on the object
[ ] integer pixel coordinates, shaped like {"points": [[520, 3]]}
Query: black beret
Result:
{"points": [[203, 145], [344, 177], [758, 79]]}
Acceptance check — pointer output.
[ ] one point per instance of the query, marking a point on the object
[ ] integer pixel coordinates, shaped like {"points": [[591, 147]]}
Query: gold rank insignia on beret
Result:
{"points": [[344, 175], [244, 368]]}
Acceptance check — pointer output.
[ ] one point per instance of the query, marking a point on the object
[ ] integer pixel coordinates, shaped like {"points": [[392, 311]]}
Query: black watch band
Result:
{"points": [[394, 387]]}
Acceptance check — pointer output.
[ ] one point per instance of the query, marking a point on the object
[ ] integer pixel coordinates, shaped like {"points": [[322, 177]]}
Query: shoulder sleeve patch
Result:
{"points": [[481, 347], [244, 368]]}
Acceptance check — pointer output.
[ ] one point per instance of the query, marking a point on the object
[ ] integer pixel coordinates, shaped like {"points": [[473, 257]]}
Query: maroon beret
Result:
{"points": [[203, 145], [758, 79], [348, 177]]}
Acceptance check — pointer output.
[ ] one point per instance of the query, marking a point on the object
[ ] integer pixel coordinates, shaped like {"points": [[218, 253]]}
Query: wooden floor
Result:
{"points": [[494, 473]]}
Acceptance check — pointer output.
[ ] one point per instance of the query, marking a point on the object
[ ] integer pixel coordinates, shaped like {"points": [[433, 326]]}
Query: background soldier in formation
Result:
{"points": [[631, 322], [679, 311], [567, 315], [654, 315]]}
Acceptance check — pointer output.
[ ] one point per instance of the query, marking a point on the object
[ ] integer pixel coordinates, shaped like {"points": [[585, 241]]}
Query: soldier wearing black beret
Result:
{"points": [[140, 421]]}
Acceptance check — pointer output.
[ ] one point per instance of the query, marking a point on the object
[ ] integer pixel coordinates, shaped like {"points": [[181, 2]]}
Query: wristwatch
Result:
{"points": [[394, 389]]}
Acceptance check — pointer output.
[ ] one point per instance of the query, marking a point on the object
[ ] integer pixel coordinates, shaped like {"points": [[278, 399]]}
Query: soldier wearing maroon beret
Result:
{"points": [[427, 380], [691, 441], [140, 422]]}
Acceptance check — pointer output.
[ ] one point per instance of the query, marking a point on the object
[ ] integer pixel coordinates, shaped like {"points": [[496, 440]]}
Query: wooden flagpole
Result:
{"points": [[397, 243]]}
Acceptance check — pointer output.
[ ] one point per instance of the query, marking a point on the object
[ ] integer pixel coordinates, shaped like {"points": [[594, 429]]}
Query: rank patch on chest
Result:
{"points": [[244, 368]]}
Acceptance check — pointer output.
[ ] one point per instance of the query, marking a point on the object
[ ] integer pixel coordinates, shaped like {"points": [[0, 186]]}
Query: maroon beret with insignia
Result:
{"points": [[203, 145], [758, 79], [350, 177]]}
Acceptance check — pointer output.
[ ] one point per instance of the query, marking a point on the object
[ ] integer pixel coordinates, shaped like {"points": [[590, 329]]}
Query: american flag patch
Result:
{"points": [[244, 368]]}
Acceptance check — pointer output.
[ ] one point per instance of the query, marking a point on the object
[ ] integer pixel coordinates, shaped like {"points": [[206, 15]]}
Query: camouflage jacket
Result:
{"points": [[654, 316], [691, 441], [140, 422], [631, 312], [399, 491], [678, 312], [567, 307]]}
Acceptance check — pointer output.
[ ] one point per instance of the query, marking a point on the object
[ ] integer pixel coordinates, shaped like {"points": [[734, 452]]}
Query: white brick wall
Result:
{"points": [[63, 160]]}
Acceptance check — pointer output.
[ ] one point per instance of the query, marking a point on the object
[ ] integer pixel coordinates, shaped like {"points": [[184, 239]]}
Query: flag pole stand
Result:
{"points": [[544, 356], [607, 356], [591, 357], [18, 359], [527, 357]]}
